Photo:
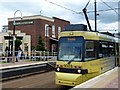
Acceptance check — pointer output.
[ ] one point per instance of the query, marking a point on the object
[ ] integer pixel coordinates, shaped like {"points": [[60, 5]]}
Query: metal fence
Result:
{"points": [[28, 56]]}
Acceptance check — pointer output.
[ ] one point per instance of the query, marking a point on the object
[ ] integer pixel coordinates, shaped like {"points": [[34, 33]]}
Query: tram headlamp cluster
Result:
{"points": [[71, 33], [79, 71], [58, 69], [70, 70]]}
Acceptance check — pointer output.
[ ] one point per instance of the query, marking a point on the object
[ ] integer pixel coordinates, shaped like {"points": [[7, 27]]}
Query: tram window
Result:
{"points": [[90, 50], [111, 49], [104, 49]]}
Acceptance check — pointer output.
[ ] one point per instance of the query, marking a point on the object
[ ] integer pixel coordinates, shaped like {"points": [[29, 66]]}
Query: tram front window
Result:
{"points": [[70, 49]]}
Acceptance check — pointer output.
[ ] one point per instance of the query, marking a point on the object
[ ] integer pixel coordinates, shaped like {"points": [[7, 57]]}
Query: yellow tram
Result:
{"points": [[83, 55]]}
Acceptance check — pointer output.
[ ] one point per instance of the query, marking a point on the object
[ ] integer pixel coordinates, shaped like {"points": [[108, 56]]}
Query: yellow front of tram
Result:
{"points": [[68, 66], [68, 74]]}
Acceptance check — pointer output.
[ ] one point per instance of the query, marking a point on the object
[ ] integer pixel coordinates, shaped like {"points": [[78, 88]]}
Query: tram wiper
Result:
{"points": [[71, 60]]}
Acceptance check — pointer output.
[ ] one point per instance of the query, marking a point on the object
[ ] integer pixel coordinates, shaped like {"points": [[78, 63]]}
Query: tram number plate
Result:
{"points": [[68, 65]]}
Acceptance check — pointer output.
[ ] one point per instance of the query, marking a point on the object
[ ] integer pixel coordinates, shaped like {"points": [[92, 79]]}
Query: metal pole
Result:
{"points": [[95, 16], [46, 38], [14, 38], [9, 43], [46, 41], [86, 17]]}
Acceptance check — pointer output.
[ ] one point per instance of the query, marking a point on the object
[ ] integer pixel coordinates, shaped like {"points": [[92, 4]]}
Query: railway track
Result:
{"points": [[27, 77], [42, 80]]}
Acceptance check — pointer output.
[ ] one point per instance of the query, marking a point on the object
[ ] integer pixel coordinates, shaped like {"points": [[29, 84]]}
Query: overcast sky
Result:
{"points": [[105, 21]]}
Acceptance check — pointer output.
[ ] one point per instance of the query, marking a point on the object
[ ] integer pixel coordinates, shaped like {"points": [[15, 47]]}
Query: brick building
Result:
{"points": [[37, 25]]}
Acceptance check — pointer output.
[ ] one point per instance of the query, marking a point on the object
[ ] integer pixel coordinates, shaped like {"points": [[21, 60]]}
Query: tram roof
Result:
{"points": [[89, 35], [117, 40]]}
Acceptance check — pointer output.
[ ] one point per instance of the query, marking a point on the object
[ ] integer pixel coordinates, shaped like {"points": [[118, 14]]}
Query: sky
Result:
{"points": [[64, 9]]}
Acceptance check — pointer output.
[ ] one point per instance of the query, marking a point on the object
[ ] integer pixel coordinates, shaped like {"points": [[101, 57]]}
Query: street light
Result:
{"points": [[9, 43], [14, 34]]}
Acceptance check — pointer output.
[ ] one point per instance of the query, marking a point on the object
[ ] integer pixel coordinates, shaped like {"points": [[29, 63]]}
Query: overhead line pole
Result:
{"points": [[95, 16]]}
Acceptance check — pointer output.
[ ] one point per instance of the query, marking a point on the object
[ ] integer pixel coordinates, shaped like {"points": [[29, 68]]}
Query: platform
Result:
{"points": [[21, 64], [105, 80], [23, 68]]}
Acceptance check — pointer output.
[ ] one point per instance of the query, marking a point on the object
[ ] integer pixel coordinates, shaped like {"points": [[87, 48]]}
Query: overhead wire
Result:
{"points": [[110, 7], [103, 10], [75, 12], [81, 13], [63, 7]]}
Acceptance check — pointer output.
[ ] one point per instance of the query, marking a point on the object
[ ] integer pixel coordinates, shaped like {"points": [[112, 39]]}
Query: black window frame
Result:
{"points": [[102, 49], [96, 50], [83, 49]]}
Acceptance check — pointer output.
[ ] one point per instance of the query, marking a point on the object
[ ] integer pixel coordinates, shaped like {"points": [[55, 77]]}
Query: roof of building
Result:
{"points": [[37, 17], [32, 17], [61, 19]]}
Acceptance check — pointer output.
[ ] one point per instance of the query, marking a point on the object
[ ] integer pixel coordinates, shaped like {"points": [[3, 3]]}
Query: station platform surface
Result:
{"points": [[21, 63], [108, 79]]}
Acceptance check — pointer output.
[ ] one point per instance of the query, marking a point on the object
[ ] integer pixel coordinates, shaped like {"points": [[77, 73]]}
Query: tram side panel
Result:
{"points": [[119, 55]]}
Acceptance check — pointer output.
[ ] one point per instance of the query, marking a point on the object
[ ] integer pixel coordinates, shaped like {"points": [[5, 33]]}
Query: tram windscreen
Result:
{"points": [[70, 48]]}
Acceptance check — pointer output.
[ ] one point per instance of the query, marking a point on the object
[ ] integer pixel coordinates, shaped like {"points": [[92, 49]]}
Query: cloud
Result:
{"points": [[23, 6], [33, 7], [108, 17], [113, 27]]}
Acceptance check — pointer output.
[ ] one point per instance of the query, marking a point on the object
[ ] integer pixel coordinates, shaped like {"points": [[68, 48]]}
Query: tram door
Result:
{"points": [[117, 54]]}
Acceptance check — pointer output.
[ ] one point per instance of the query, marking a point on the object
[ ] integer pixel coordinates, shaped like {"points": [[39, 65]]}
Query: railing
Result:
{"points": [[28, 56]]}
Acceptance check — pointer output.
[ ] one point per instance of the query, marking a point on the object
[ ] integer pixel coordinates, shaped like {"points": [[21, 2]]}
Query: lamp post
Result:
{"points": [[9, 42], [14, 38]]}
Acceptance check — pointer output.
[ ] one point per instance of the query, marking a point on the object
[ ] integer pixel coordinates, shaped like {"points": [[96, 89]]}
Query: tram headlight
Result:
{"points": [[58, 69], [79, 71]]}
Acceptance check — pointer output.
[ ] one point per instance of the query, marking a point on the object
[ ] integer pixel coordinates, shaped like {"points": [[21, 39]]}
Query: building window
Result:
{"points": [[46, 30], [59, 30], [53, 30], [25, 47]]}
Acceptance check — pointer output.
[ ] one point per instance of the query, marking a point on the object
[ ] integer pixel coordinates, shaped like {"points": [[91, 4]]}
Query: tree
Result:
{"points": [[40, 45], [17, 44]]}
